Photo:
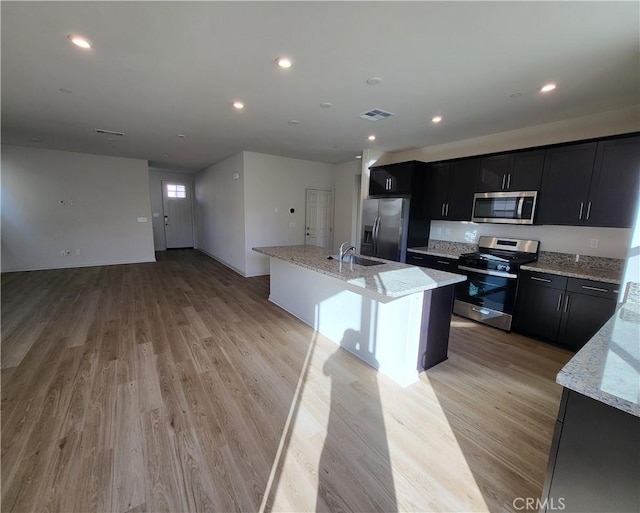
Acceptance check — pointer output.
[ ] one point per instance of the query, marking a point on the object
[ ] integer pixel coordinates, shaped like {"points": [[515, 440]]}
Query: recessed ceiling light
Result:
{"points": [[372, 138], [284, 62], [293, 121], [436, 119], [547, 87], [80, 41], [238, 105], [181, 136], [374, 81], [326, 105]]}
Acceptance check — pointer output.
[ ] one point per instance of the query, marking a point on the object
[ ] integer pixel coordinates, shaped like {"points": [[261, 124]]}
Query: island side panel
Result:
{"points": [[435, 326], [381, 331]]}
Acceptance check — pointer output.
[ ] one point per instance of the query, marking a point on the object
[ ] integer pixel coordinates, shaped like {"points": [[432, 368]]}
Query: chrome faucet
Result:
{"points": [[343, 253]]}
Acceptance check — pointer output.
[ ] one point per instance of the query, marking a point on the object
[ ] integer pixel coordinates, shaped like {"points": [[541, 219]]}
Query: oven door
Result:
{"points": [[495, 290], [486, 296]]}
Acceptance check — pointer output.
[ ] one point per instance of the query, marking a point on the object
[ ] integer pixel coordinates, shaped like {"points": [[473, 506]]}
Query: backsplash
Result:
{"points": [[609, 242]]}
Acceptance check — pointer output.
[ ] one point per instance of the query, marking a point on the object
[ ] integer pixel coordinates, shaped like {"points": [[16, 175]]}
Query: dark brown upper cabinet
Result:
{"points": [[518, 171], [591, 184], [449, 188]]}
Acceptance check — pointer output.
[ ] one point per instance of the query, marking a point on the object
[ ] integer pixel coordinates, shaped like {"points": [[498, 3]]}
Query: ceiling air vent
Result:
{"points": [[102, 131], [375, 115]]}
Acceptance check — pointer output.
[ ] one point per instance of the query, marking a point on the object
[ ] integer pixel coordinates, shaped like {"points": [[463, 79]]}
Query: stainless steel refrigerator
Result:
{"points": [[385, 225]]}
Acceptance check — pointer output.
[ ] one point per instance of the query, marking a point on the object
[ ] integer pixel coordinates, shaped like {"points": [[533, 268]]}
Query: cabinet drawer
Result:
{"points": [[433, 262], [593, 288], [553, 281]]}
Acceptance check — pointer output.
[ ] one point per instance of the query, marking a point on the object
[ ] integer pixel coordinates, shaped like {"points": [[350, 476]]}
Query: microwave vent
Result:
{"points": [[375, 115]]}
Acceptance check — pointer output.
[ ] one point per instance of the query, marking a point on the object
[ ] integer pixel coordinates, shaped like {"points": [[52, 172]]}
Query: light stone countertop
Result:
{"points": [[434, 252], [574, 271], [607, 368], [391, 279]]}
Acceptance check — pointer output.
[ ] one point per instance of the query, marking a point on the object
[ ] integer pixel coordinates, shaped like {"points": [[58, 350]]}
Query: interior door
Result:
{"points": [[178, 214], [319, 218]]}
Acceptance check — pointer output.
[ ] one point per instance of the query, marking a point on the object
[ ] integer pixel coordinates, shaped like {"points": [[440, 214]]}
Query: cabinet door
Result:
{"points": [[436, 191], [525, 172], [462, 185], [400, 174], [614, 187], [565, 184], [538, 311], [378, 182], [583, 316], [493, 173]]}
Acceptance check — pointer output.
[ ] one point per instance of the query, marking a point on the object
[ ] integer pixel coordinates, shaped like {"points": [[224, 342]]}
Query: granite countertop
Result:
{"points": [[435, 252], [391, 279], [575, 271], [607, 368]]}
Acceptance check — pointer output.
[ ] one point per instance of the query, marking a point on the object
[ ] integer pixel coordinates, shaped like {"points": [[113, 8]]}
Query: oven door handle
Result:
{"points": [[489, 273]]}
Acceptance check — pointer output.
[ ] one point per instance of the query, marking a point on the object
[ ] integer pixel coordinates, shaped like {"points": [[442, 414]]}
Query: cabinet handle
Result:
{"points": [[598, 289], [446, 211], [588, 210], [416, 257], [566, 303], [442, 210], [581, 208], [388, 185], [443, 262], [559, 302], [504, 179], [540, 279], [509, 182]]}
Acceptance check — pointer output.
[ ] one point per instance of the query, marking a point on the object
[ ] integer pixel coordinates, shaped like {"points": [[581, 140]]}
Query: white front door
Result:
{"points": [[178, 214], [319, 218]]}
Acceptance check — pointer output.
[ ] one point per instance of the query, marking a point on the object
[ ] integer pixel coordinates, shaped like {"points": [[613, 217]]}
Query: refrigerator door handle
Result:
{"points": [[376, 227]]}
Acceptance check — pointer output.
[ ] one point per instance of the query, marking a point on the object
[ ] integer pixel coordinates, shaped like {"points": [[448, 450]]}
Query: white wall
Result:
{"points": [[575, 129], [104, 197], [272, 186], [156, 176], [220, 212], [346, 180], [613, 242]]}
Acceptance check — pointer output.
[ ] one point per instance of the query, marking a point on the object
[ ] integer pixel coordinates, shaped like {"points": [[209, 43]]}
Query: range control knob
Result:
{"points": [[503, 267]]}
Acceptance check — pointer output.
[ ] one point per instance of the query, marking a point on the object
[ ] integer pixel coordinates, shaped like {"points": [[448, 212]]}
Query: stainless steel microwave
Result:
{"points": [[517, 207]]}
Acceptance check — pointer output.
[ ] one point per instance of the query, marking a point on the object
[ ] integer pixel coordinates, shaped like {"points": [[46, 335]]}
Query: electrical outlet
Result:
{"points": [[594, 243]]}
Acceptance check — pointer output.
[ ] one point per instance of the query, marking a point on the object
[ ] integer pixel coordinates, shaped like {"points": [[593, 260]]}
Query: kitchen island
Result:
{"points": [[393, 316], [594, 463]]}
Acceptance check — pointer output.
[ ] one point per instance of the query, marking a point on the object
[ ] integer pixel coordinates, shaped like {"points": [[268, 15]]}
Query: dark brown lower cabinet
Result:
{"points": [[566, 311]]}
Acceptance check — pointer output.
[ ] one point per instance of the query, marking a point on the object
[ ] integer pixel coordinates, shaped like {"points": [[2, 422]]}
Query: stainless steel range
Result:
{"points": [[489, 293]]}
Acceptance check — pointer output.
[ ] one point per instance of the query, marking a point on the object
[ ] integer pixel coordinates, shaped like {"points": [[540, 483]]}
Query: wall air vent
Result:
{"points": [[375, 115], [102, 131]]}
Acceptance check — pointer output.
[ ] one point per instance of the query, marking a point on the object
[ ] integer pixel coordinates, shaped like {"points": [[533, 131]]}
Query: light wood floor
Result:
{"points": [[177, 386]]}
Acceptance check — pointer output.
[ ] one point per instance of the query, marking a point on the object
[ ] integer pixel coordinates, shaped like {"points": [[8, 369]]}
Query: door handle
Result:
{"points": [[166, 220]]}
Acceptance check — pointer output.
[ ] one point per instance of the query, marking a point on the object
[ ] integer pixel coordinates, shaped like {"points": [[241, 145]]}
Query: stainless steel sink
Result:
{"points": [[356, 260]]}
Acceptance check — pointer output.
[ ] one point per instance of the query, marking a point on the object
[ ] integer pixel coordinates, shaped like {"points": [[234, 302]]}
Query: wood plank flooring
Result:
{"points": [[177, 386]]}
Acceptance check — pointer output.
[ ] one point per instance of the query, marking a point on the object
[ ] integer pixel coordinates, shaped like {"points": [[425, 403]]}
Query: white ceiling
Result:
{"points": [[157, 69]]}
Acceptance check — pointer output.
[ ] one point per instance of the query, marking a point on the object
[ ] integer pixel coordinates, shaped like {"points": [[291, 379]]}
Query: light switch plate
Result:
{"points": [[142, 219]]}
